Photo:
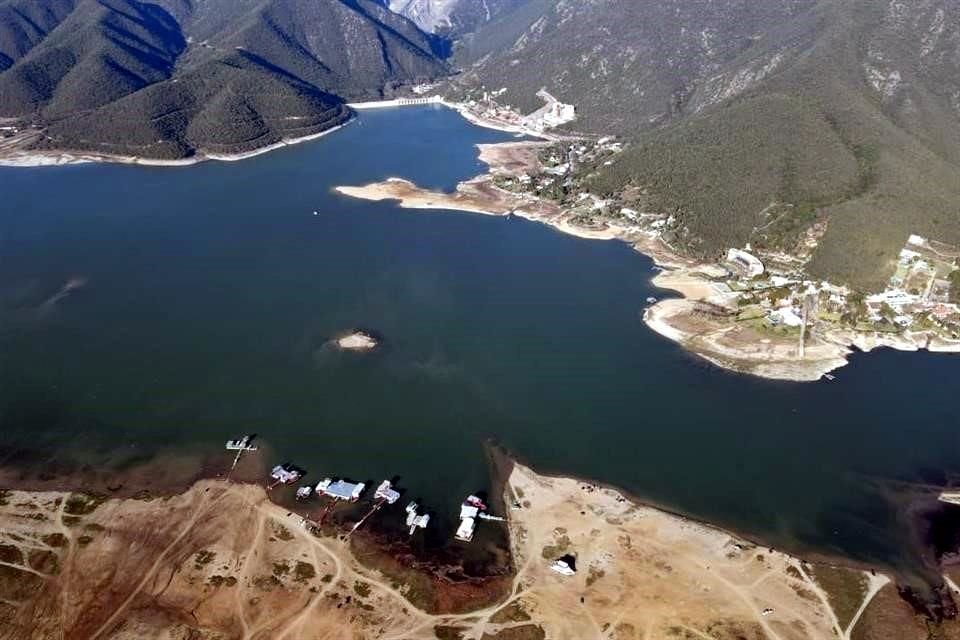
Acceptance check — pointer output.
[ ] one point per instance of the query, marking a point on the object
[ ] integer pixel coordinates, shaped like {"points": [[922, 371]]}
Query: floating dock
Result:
{"points": [[243, 444], [415, 520], [341, 489], [471, 509], [285, 474], [387, 493]]}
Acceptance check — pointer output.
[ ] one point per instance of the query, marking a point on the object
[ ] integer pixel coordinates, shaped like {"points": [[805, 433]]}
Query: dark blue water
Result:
{"points": [[211, 290]]}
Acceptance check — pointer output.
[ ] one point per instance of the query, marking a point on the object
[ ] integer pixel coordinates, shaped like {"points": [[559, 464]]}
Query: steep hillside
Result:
{"points": [[627, 64], [24, 23], [169, 78], [452, 18], [848, 109]]}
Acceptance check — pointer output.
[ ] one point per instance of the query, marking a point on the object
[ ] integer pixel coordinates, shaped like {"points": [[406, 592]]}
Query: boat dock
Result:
{"points": [[341, 489], [472, 509], [243, 444], [385, 494], [338, 490], [415, 520], [285, 473]]}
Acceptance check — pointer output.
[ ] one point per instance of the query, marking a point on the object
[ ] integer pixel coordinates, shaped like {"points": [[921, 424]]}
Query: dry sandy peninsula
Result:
{"points": [[222, 561]]}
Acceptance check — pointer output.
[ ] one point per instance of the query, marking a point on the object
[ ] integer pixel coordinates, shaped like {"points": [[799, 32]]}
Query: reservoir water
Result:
{"points": [[208, 293]]}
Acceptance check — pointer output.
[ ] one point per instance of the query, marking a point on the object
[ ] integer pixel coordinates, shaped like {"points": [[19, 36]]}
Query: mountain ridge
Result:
{"points": [[839, 112], [173, 78]]}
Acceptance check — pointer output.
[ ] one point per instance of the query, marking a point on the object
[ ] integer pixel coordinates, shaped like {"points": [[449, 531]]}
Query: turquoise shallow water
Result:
{"points": [[210, 291]]}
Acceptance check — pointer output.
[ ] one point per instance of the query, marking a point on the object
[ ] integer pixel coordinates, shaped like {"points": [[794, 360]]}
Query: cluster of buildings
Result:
{"points": [[918, 297], [551, 115], [558, 178], [920, 287]]}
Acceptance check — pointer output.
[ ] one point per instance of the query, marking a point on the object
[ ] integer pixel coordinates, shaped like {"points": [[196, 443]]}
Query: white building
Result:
{"points": [[746, 262], [787, 317]]}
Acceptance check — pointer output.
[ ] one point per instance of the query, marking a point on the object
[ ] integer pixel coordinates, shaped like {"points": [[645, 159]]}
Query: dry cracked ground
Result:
{"points": [[222, 561]]}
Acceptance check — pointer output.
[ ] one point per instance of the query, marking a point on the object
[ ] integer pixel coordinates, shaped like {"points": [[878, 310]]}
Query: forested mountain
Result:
{"points": [[849, 109], [166, 78], [844, 111]]}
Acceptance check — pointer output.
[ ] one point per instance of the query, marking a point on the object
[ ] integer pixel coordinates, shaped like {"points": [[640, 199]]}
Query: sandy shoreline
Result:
{"points": [[202, 560]]}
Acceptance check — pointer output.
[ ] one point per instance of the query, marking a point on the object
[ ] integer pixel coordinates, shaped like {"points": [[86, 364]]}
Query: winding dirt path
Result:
{"points": [[201, 507]]}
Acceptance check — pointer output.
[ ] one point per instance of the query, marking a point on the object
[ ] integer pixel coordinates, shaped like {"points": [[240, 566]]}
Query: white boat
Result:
{"points": [[304, 492], [466, 529], [470, 510]]}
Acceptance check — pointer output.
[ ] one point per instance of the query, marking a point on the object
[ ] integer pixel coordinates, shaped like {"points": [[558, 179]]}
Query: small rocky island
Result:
{"points": [[357, 341]]}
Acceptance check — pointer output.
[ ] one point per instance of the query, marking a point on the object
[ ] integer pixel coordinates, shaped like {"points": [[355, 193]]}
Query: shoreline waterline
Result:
{"points": [[29, 159], [52, 158], [260, 272]]}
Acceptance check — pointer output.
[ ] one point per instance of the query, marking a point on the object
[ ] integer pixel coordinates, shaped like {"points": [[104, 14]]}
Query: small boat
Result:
{"points": [[651, 300], [304, 492], [466, 529], [829, 377], [470, 510]]}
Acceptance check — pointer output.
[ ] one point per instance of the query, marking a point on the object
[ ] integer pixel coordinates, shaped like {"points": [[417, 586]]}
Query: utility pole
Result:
{"points": [[809, 301], [803, 330]]}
